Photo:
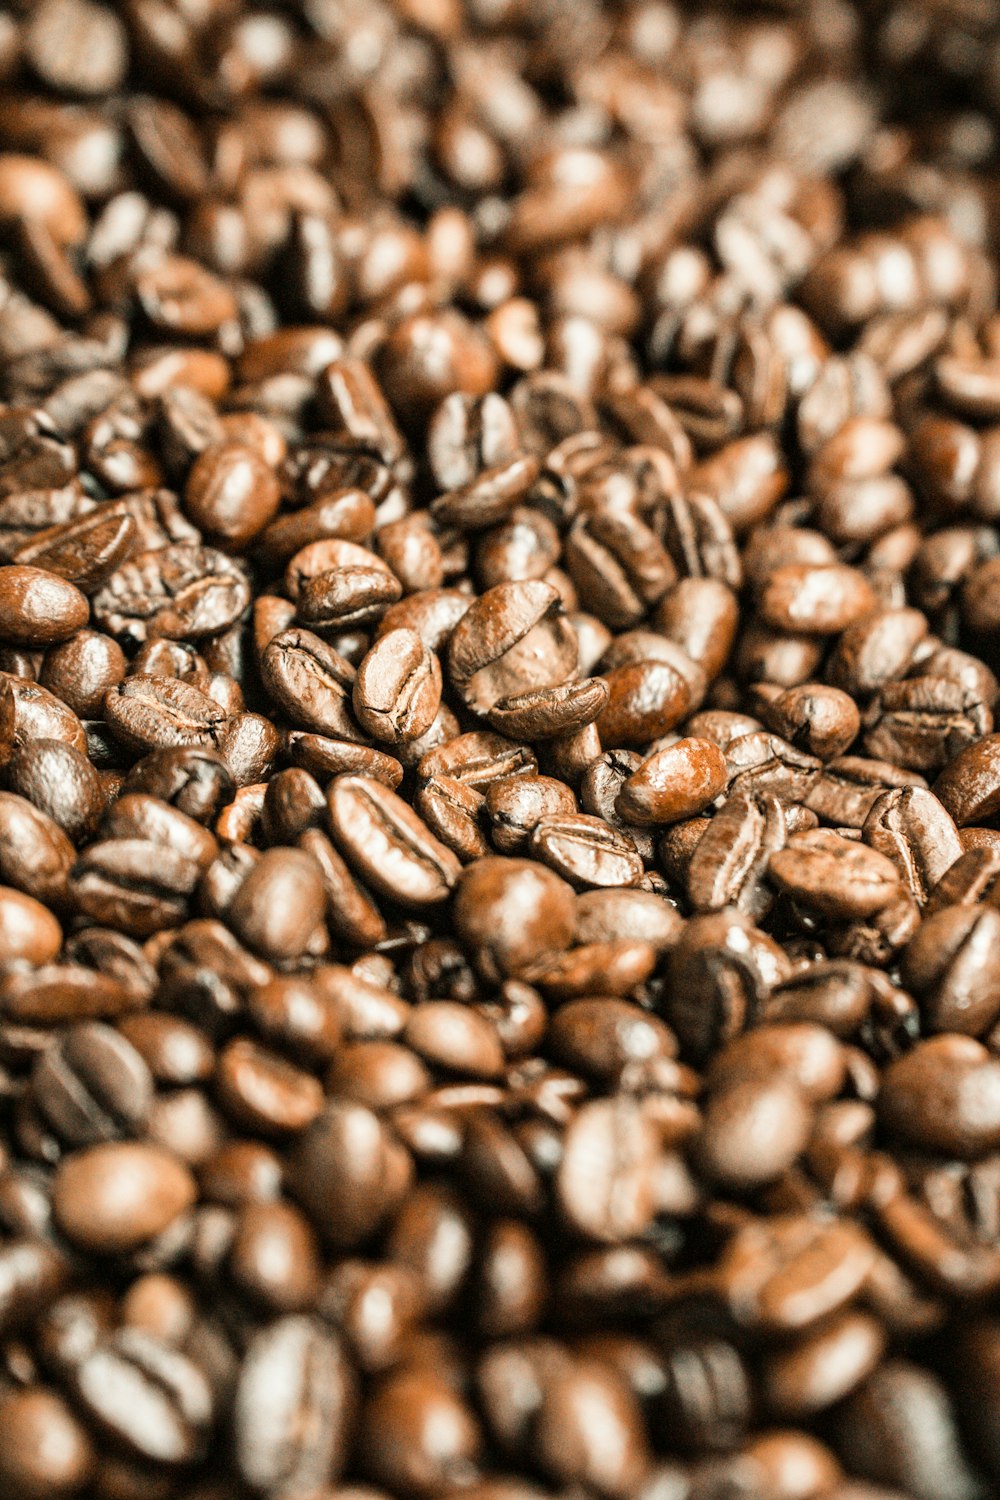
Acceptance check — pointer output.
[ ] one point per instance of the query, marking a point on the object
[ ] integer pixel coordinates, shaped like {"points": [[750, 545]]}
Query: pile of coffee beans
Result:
{"points": [[499, 798]]}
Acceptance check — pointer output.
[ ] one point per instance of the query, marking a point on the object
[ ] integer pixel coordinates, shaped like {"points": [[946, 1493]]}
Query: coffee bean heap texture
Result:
{"points": [[499, 777]]}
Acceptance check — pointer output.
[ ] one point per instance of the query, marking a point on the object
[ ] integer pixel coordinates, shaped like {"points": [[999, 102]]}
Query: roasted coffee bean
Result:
{"points": [[181, 592], [231, 493], [133, 884], [951, 963], [168, 1414], [837, 876], [300, 1440], [731, 858], [161, 713], [514, 806], [388, 845], [92, 1085], [944, 1096], [516, 637], [516, 913], [37, 608], [607, 1175], [279, 904], [753, 1130], [82, 552], [349, 1172], [61, 783], [674, 783], [397, 690], [911, 828], [310, 682], [586, 851], [969, 786], [646, 699], [45, 1450], [264, 1093], [110, 1198]]}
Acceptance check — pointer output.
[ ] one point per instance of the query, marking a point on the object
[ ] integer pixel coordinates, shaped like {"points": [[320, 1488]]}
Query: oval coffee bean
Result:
{"points": [[111, 1198], [388, 845], [674, 783]]}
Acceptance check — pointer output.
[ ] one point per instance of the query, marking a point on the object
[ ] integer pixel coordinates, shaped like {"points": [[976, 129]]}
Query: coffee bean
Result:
{"points": [[92, 1085], [279, 904], [168, 1413], [586, 851], [753, 1131], [835, 875], [515, 912], [160, 713], [37, 608], [264, 1093], [182, 592], [231, 493], [349, 1173], [397, 690], [514, 638], [44, 1450], [969, 786], [298, 1441], [674, 783], [943, 1096], [387, 843], [110, 1198], [607, 1177]]}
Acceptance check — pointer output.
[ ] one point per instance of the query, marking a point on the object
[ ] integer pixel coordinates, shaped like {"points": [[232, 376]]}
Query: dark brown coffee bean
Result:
{"points": [[44, 1450], [29, 713], [82, 670], [731, 858], [969, 786], [837, 876], [161, 713], [646, 699], [83, 552], [28, 931], [61, 783], [279, 904], [753, 1130], [231, 493], [349, 1173], [168, 1414], [397, 690], [586, 851], [516, 637], [452, 811], [515, 804], [822, 601], [92, 1085], [263, 1093], [911, 828], [35, 854], [479, 759], [943, 1096], [37, 608], [133, 884], [722, 968], [387, 843], [606, 1181], [181, 592]]}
